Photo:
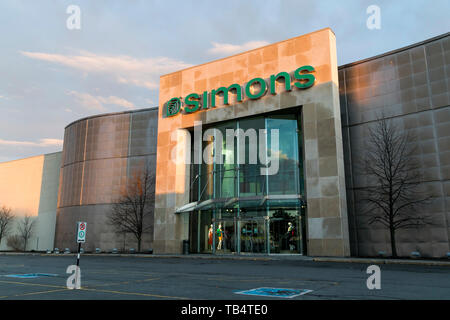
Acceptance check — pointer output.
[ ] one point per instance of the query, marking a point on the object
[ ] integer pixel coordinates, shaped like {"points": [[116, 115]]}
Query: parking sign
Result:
{"points": [[81, 233]]}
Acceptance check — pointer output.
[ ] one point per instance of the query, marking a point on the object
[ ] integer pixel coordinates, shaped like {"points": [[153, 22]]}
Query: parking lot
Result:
{"points": [[178, 278]]}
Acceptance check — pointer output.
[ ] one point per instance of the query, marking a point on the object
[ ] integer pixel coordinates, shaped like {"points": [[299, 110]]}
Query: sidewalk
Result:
{"points": [[422, 262], [248, 257], [258, 257]]}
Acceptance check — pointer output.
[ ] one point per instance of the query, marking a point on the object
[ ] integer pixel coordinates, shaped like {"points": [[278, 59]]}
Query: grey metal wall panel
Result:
{"points": [[410, 87]]}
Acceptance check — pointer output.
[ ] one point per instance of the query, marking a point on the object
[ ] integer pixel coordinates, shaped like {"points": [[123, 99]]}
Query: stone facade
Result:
{"points": [[325, 179]]}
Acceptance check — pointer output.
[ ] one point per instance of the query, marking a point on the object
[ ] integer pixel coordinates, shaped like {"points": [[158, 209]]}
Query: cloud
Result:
{"points": [[229, 49], [117, 101], [97, 103], [42, 143], [150, 101], [124, 69]]}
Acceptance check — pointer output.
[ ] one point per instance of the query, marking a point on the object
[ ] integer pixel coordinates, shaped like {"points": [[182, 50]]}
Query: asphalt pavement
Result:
{"points": [[107, 277]]}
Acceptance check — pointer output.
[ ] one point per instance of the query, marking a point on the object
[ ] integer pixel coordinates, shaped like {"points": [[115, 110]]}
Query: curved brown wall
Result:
{"points": [[99, 153]]}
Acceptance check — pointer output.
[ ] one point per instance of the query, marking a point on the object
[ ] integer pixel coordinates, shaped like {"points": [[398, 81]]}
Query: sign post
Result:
{"points": [[81, 238]]}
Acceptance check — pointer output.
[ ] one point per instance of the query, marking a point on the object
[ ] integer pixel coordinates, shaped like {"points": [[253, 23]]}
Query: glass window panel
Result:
{"points": [[225, 171], [286, 181], [285, 231], [225, 236], [251, 182], [253, 236], [201, 232]]}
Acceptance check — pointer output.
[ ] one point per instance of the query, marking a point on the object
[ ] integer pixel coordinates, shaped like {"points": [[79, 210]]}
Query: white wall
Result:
{"points": [[30, 187]]}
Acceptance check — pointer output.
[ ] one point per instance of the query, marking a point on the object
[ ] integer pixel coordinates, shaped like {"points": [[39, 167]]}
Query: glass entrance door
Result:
{"points": [[201, 232], [253, 236], [286, 232]]}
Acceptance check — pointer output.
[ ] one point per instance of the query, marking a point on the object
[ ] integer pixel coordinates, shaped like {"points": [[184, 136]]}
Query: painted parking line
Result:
{"points": [[39, 292], [135, 294], [33, 284], [120, 283], [63, 288], [60, 288], [100, 290]]}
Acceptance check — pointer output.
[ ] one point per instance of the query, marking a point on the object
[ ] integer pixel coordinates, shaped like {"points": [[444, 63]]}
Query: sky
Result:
{"points": [[52, 75]]}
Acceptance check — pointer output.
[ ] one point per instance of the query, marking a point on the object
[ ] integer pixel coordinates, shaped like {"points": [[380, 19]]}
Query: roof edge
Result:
{"points": [[110, 114], [245, 52], [417, 44], [31, 157]]}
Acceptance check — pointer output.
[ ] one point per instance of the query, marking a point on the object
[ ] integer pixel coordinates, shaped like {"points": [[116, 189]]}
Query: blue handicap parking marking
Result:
{"points": [[275, 292], [30, 275]]}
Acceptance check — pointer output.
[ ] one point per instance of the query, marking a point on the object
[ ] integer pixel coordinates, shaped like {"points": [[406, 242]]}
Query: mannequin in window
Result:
{"points": [[290, 236], [210, 237], [219, 235]]}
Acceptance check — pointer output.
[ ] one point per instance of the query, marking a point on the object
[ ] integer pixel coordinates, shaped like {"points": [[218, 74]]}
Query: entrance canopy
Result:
{"points": [[256, 202]]}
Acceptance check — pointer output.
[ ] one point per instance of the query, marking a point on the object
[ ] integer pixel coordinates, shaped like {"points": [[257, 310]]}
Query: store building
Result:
{"points": [[266, 88], [258, 152]]}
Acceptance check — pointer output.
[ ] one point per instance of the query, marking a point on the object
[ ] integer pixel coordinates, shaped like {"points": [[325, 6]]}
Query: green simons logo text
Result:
{"points": [[254, 89]]}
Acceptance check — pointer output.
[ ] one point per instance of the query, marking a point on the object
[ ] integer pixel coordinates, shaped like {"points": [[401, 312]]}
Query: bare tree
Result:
{"points": [[26, 229], [6, 217], [392, 198], [15, 242], [133, 211]]}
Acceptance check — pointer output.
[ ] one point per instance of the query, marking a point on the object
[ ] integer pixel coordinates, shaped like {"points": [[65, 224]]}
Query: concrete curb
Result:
{"points": [[171, 256], [150, 256], [384, 261], [246, 258], [194, 256]]}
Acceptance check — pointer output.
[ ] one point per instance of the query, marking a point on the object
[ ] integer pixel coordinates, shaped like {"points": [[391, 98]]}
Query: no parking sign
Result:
{"points": [[81, 233]]}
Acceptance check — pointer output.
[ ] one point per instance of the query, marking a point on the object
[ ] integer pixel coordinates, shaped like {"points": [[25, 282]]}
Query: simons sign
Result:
{"points": [[254, 89]]}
